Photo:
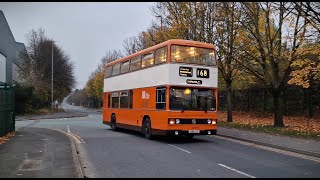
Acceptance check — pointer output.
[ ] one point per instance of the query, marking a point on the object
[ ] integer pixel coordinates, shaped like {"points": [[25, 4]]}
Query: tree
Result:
{"points": [[306, 70], [211, 22], [36, 66], [94, 85], [226, 34], [111, 56], [310, 11], [267, 51]]}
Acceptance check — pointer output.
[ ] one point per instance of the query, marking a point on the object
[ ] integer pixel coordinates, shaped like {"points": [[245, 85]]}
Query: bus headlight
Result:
{"points": [[214, 122], [171, 121], [177, 121], [209, 121]]}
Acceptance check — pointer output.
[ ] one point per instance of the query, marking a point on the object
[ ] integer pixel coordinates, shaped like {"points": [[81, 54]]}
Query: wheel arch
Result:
{"points": [[143, 119]]}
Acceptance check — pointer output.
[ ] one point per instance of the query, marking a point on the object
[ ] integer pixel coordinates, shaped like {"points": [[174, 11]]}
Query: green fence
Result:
{"points": [[7, 112]]}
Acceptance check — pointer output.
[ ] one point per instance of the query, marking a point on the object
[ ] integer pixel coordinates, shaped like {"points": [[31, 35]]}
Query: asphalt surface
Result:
{"points": [[37, 153], [83, 147]]}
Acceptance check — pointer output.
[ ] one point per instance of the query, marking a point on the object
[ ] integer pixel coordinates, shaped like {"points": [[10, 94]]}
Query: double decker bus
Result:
{"points": [[167, 89]]}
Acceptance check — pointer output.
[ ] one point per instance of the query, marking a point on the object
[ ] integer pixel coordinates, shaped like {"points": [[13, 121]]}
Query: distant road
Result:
{"points": [[70, 108]]}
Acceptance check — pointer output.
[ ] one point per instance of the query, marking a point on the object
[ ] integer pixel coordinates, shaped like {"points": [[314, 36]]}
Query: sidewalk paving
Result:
{"points": [[55, 115], [38, 153], [297, 145]]}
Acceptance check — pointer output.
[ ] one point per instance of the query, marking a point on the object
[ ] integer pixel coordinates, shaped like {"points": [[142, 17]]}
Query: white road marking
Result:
{"points": [[236, 171], [179, 148], [294, 154], [74, 137], [79, 138]]}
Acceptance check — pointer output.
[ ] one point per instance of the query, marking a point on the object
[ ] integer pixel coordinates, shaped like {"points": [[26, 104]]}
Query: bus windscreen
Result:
{"points": [[192, 99]]}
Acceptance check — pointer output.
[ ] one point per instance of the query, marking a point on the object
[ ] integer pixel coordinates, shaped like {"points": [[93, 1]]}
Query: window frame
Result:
{"points": [[106, 75], [134, 60], [115, 95], [158, 89], [145, 60], [115, 68], [165, 49], [121, 95], [127, 65], [197, 61]]}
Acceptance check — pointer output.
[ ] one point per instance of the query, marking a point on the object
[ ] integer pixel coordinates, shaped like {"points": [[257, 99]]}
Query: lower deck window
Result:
{"points": [[161, 98], [115, 100]]}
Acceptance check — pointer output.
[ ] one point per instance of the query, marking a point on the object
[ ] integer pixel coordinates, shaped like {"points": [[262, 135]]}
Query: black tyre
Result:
{"points": [[147, 128], [113, 123]]}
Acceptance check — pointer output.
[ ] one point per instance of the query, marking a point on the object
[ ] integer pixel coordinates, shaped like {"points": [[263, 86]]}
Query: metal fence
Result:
{"points": [[7, 112], [296, 101]]}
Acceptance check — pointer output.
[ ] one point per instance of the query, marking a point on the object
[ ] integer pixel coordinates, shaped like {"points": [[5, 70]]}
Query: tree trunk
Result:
{"points": [[229, 101], [277, 101]]}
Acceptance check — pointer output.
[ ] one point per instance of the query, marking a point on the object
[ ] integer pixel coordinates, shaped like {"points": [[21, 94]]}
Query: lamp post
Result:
{"points": [[160, 21], [160, 26], [52, 76]]}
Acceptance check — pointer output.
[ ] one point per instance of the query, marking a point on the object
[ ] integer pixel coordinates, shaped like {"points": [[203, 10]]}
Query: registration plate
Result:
{"points": [[194, 131]]}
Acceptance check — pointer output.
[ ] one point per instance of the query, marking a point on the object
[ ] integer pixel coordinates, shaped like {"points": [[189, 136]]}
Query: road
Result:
{"points": [[106, 153]]}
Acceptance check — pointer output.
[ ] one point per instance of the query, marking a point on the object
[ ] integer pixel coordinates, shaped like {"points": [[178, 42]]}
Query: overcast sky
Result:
{"points": [[84, 30]]}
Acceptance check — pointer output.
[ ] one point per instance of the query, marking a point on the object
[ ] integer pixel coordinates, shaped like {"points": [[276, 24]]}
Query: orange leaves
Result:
{"points": [[301, 124], [6, 137], [307, 67]]}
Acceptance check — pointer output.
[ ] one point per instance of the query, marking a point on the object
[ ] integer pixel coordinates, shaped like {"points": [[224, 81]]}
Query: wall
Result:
{"points": [[10, 49]]}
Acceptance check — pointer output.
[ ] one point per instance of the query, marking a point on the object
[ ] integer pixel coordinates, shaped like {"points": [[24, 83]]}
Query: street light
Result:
{"points": [[160, 20], [160, 26], [52, 76]]}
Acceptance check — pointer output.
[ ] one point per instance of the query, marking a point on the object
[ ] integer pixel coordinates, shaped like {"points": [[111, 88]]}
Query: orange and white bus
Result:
{"points": [[167, 89]]}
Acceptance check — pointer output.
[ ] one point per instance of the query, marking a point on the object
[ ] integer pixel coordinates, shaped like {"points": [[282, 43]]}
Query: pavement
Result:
{"points": [[297, 145], [49, 153], [39, 153]]}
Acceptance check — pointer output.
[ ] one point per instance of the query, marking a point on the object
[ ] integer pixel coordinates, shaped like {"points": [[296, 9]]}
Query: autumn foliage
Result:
{"points": [[269, 45], [6, 137], [301, 124]]}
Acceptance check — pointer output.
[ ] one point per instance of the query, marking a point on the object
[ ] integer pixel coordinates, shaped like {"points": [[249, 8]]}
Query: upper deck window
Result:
{"points": [[125, 66], [116, 69], [161, 55], [147, 60], [109, 71], [135, 63], [193, 55]]}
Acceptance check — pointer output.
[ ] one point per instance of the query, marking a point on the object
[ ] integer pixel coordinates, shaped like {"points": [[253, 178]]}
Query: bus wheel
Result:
{"points": [[147, 128], [113, 122]]}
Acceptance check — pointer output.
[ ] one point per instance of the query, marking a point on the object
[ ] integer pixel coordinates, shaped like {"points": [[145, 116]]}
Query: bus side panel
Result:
{"points": [[159, 119], [143, 101], [144, 98], [144, 104], [105, 112]]}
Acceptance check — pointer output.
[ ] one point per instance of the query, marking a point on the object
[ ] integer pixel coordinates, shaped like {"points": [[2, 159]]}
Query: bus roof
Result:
{"points": [[168, 42]]}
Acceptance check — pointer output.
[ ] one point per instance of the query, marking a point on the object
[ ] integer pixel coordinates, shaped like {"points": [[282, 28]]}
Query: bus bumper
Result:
{"points": [[185, 132]]}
